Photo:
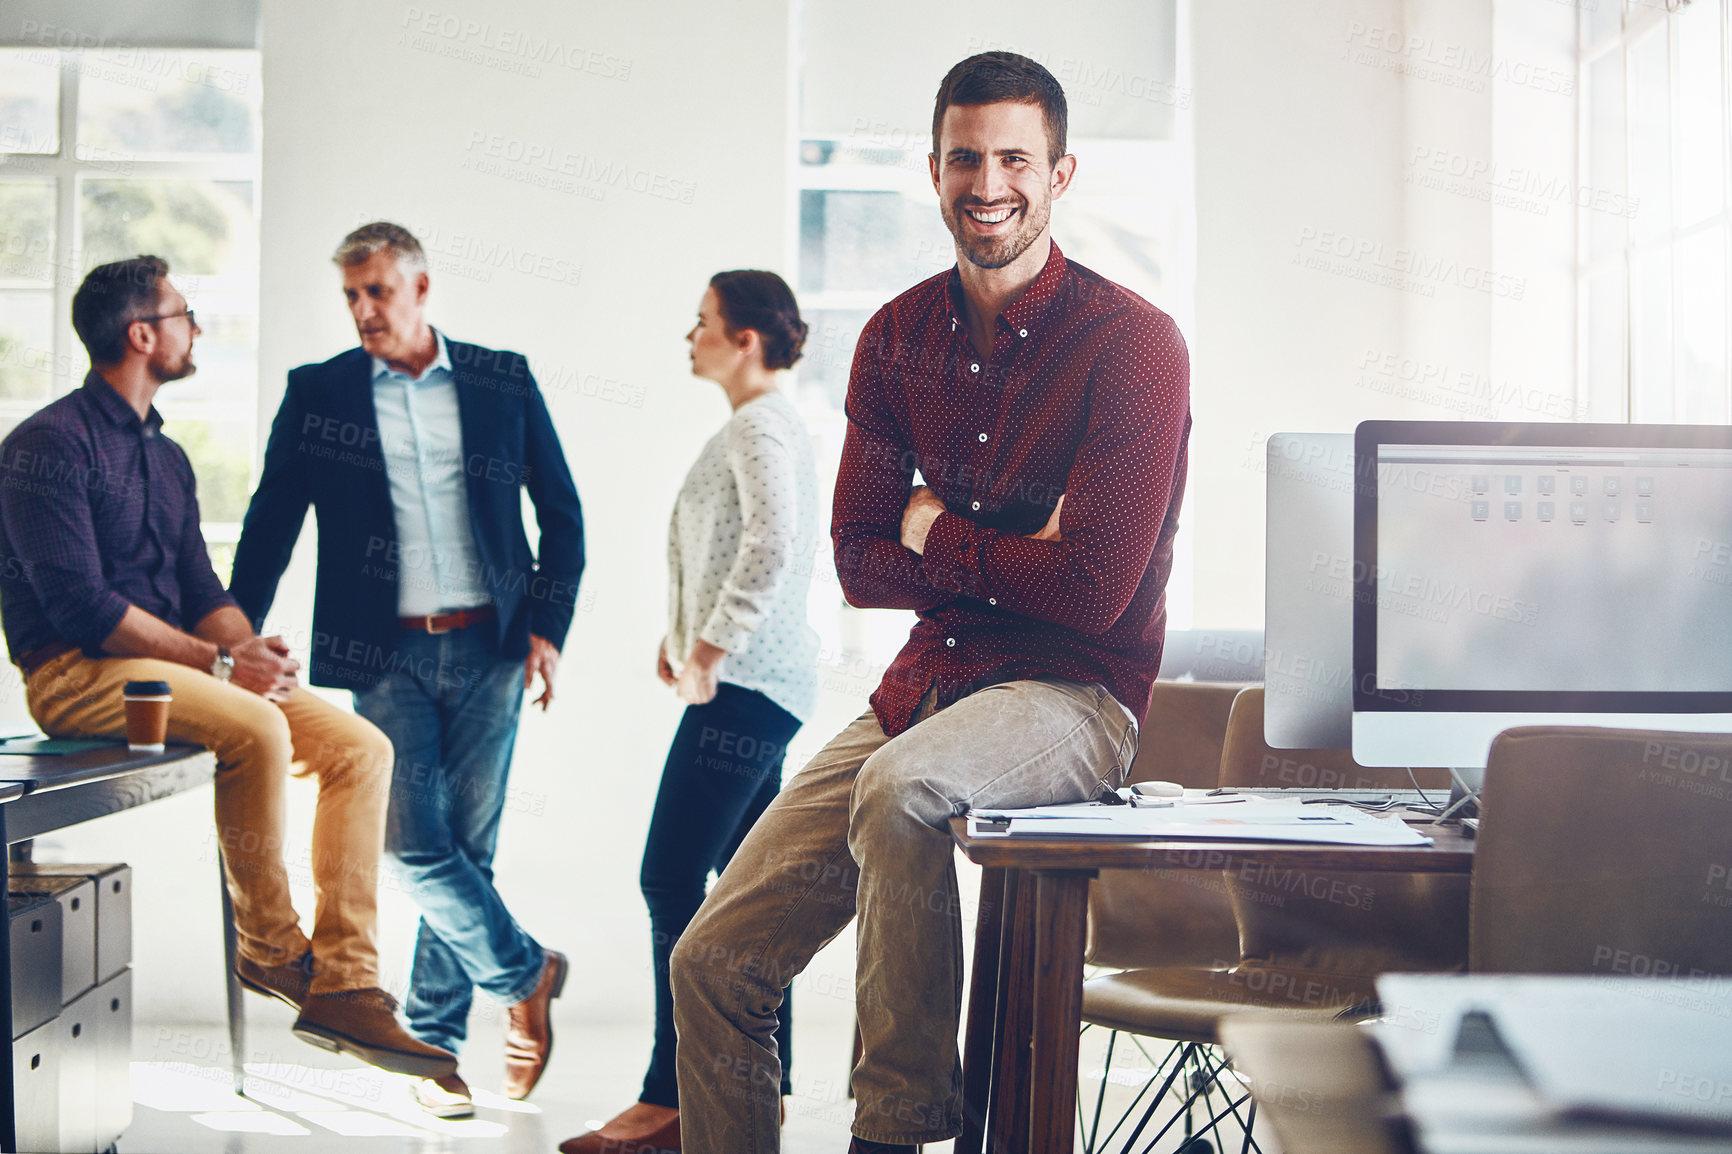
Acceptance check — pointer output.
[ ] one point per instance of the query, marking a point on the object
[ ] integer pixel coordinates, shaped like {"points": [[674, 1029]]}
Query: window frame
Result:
{"points": [[66, 253], [1638, 20]]}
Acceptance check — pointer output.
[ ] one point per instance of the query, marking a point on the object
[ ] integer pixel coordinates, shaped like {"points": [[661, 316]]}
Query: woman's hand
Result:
{"points": [[697, 681], [663, 669]]}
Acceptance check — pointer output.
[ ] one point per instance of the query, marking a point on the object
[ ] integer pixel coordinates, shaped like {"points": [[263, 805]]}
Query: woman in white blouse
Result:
{"points": [[738, 650]]}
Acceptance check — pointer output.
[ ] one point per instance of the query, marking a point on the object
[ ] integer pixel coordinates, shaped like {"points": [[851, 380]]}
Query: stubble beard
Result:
{"points": [[997, 252], [164, 373]]}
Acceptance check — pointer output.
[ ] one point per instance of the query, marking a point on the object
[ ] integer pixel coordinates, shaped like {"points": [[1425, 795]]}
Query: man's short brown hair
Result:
{"points": [[110, 299], [1005, 77]]}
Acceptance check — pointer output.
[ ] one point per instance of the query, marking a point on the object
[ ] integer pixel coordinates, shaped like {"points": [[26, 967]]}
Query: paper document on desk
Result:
{"points": [[1249, 819], [1641, 1051]]}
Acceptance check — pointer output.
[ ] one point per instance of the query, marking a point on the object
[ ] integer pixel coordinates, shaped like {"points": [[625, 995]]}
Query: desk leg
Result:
{"points": [[236, 994], [1059, 938], [8, 1115], [977, 1047], [1007, 1128]]}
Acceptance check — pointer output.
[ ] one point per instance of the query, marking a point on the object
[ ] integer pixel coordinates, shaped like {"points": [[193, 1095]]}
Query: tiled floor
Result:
{"points": [[304, 1101]]}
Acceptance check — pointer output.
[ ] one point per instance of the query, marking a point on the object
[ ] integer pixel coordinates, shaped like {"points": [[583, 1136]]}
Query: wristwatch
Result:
{"points": [[223, 667]]}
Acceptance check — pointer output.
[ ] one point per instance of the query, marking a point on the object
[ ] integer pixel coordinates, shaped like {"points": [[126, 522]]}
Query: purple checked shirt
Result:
{"points": [[98, 511]]}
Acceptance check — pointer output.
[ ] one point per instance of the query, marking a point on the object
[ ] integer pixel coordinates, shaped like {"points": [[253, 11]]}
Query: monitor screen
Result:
{"points": [[1545, 568]]}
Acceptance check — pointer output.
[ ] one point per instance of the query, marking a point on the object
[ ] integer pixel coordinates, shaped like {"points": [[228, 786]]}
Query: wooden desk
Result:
{"points": [[1019, 1062], [39, 795]]}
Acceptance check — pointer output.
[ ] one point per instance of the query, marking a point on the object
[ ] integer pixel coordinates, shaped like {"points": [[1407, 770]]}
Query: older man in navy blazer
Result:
{"points": [[431, 607]]}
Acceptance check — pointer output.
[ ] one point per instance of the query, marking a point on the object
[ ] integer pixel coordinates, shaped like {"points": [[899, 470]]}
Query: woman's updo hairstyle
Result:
{"points": [[752, 298]]}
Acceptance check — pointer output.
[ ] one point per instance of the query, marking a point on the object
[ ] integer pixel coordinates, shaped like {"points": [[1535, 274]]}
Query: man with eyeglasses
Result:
{"points": [[105, 579]]}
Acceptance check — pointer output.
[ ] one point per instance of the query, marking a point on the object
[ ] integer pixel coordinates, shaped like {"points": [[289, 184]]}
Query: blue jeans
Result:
{"points": [[450, 707]]}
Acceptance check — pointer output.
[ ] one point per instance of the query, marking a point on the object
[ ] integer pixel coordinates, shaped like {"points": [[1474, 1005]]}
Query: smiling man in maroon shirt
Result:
{"points": [[1047, 410]]}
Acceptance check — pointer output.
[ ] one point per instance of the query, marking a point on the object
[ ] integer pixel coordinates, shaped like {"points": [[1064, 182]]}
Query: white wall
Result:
{"points": [[1353, 160]]}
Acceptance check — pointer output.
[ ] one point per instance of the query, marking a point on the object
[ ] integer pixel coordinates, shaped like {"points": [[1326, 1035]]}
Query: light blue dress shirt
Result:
{"points": [[422, 438]]}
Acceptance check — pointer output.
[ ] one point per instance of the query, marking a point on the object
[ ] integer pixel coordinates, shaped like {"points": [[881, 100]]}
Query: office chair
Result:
{"points": [[1143, 918], [1598, 850], [1309, 947]]}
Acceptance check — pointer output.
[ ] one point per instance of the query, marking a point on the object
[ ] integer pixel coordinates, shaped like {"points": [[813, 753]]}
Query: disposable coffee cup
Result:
{"points": [[146, 715]]}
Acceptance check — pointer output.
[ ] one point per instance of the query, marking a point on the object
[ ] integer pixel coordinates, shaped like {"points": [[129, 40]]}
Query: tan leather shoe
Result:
{"points": [[616, 1138], [446, 1097], [288, 982], [529, 1029], [363, 1024]]}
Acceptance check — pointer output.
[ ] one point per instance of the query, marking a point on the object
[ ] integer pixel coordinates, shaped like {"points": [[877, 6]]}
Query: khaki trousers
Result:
{"points": [[257, 745], [863, 828]]}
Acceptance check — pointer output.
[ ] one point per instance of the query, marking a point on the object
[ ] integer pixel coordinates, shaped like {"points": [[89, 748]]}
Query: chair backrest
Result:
{"points": [[1604, 851], [1247, 760], [1145, 918], [1351, 923], [1182, 732]]}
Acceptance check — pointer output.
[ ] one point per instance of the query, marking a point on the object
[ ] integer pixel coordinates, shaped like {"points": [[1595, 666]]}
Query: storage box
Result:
{"points": [[112, 1013], [113, 882], [77, 898], [79, 1046], [36, 1088], [36, 949]]}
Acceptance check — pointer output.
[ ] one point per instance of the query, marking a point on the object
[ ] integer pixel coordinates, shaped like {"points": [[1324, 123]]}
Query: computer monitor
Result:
{"points": [[1308, 591], [1527, 574]]}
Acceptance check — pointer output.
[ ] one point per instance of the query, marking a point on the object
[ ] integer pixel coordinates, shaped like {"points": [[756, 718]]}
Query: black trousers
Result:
{"points": [[723, 769]]}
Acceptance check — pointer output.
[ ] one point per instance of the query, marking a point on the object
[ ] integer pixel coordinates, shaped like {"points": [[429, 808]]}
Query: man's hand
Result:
{"points": [[1049, 532], [697, 681], [263, 666], [543, 659], [663, 669], [923, 509]]}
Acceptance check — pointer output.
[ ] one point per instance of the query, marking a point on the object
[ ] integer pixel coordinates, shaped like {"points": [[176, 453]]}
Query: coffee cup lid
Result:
{"points": [[146, 689]]}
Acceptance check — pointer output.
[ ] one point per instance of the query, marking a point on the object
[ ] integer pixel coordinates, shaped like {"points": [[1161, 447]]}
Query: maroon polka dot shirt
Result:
{"points": [[1087, 396]]}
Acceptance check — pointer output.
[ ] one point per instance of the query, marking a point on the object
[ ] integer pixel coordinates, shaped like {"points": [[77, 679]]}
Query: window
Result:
{"points": [[107, 153], [1654, 214]]}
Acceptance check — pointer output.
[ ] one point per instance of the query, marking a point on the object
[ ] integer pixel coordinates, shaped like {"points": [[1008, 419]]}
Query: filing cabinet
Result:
{"points": [[36, 1088], [113, 884], [78, 1045], [112, 1014], [36, 949], [77, 898], [71, 929]]}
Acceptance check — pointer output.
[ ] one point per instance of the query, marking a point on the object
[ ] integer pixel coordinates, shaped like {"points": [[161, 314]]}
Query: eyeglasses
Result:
{"points": [[188, 314]]}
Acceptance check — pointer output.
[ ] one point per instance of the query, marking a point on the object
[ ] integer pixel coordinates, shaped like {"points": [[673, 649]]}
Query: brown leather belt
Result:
{"points": [[446, 622], [42, 655]]}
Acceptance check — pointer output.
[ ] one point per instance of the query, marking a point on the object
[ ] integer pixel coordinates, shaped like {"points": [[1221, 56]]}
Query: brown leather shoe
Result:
{"points": [[664, 1139], [446, 1097], [363, 1024], [287, 982], [529, 1029]]}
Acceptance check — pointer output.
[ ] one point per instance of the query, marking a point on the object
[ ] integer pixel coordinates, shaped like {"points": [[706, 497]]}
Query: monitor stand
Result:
{"points": [[1464, 786]]}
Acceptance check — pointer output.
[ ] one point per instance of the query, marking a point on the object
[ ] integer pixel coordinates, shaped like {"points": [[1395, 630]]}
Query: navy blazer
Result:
{"points": [[324, 451]]}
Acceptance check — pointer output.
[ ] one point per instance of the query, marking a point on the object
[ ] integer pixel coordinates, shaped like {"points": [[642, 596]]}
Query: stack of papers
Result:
{"points": [[1643, 1052], [1236, 818]]}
